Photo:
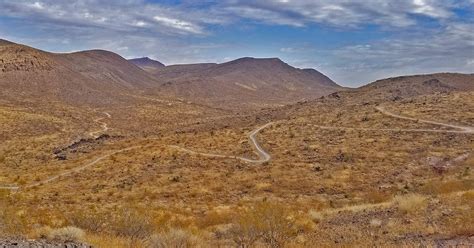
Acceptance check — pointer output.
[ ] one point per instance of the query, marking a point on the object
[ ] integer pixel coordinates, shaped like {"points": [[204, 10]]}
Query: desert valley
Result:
{"points": [[101, 151]]}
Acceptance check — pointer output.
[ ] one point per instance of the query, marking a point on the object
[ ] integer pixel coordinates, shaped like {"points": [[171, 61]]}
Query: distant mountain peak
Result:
{"points": [[246, 62], [143, 59], [147, 64], [257, 60]]}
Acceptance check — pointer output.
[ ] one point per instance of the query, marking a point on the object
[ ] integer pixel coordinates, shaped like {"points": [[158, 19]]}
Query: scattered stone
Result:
{"points": [[174, 179], [8, 243], [375, 223], [61, 156]]}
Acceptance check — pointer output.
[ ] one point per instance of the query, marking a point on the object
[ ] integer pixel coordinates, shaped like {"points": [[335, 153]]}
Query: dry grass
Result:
{"points": [[316, 216], [13, 222], [111, 241], [411, 203], [66, 234], [133, 224], [174, 238], [62, 234], [329, 183], [445, 187], [266, 222]]}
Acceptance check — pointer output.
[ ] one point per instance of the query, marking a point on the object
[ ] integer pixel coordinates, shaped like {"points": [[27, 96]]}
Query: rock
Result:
{"points": [[174, 179], [10, 243], [61, 156]]}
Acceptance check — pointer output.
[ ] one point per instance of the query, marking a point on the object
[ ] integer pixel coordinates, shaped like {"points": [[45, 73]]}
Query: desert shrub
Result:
{"points": [[66, 234], [411, 202], [174, 238], [41, 232], [315, 216], [245, 232], [267, 222], [132, 223], [90, 221]]}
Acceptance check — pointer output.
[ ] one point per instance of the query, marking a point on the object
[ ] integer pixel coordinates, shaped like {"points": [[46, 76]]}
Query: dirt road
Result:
{"points": [[262, 154]]}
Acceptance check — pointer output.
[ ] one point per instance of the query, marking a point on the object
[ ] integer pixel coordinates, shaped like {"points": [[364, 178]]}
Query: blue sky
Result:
{"points": [[353, 42]]}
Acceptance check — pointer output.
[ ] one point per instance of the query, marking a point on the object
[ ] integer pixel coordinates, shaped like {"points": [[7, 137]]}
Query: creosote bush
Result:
{"points": [[132, 223], [89, 221], [63, 234], [266, 222], [66, 234], [175, 238]]}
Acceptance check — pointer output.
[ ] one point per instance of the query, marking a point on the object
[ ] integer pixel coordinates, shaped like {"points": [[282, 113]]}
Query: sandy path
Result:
{"points": [[263, 155], [95, 134]]}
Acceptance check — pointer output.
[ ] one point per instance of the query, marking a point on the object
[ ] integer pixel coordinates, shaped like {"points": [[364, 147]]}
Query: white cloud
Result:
{"points": [[183, 33], [429, 9], [140, 24], [449, 49], [178, 24], [119, 15], [37, 5], [342, 12]]}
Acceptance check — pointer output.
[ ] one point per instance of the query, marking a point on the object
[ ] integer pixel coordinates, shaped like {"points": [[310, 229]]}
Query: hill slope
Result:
{"points": [[396, 90], [245, 82], [89, 77], [100, 77], [403, 87]]}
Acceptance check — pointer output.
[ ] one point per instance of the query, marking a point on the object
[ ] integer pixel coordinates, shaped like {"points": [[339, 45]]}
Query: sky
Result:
{"points": [[353, 42]]}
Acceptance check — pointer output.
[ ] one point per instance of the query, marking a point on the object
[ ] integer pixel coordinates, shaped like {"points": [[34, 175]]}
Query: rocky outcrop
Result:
{"points": [[12, 243]]}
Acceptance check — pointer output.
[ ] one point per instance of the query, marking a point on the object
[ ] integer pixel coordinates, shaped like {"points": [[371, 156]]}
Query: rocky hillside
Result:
{"points": [[90, 77], [247, 82]]}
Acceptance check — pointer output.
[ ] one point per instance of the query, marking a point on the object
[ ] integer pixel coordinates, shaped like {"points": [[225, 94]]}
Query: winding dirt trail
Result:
{"points": [[96, 134], [390, 129], [10, 188], [262, 154], [68, 172], [461, 129], [263, 157]]}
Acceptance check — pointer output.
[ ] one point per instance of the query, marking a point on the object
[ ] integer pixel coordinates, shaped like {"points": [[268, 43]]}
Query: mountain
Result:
{"points": [[88, 77], [394, 90], [398, 88], [98, 77], [147, 64], [248, 82], [177, 72]]}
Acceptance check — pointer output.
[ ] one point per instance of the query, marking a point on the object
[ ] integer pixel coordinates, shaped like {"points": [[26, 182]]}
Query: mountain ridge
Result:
{"points": [[85, 77], [147, 64], [245, 81]]}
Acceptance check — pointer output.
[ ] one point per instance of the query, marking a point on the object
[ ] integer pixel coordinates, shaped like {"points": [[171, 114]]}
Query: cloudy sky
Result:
{"points": [[353, 42]]}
